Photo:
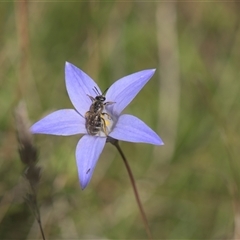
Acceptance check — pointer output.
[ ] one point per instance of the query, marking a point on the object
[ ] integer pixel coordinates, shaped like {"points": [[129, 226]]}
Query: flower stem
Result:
{"points": [[143, 215]]}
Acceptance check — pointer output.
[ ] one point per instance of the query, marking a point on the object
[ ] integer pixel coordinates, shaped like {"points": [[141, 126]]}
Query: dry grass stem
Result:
{"points": [[28, 156]]}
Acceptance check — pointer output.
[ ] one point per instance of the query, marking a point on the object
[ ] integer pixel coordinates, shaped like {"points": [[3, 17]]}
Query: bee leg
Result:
{"points": [[108, 116], [108, 103], [92, 98], [87, 114], [104, 126]]}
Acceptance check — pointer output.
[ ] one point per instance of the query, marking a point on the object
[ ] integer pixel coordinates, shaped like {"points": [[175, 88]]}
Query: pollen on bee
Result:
{"points": [[108, 123]]}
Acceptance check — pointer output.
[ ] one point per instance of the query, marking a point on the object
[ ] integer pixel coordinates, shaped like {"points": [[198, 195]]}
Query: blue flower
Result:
{"points": [[82, 91]]}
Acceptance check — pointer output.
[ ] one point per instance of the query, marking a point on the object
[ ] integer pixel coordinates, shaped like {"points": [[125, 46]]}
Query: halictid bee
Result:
{"points": [[95, 121]]}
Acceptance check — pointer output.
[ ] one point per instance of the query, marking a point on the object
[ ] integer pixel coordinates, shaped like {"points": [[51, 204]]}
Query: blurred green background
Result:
{"points": [[190, 186]]}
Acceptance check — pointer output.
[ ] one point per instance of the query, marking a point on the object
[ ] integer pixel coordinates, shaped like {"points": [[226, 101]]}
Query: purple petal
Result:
{"points": [[125, 89], [132, 129], [63, 122], [79, 85], [88, 151]]}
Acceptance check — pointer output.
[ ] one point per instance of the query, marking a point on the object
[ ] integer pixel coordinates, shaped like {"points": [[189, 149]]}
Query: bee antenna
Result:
{"points": [[96, 90]]}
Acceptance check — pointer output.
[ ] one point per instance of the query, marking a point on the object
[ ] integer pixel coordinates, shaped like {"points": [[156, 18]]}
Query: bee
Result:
{"points": [[95, 117]]}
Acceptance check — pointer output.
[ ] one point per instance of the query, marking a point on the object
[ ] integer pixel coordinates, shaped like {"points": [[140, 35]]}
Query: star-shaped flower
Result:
{"points": [[107, 121]]}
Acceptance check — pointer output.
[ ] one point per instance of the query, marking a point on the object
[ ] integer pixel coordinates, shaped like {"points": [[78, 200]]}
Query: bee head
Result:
{"points": [[100, 98]]}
